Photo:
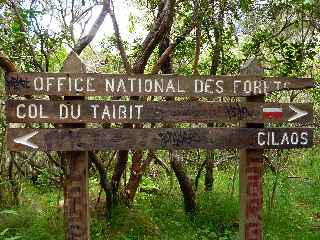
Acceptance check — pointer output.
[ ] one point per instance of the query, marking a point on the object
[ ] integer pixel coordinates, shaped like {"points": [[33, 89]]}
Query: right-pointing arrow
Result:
{"points": [[298, 113], [24, 140]]}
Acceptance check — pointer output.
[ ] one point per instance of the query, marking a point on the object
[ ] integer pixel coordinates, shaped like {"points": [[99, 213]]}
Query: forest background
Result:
{"points": [[158, 195]]}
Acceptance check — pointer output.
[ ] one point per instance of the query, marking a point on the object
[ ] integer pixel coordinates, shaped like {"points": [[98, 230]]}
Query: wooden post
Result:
{"points": [[76, 197], [251, 171]]}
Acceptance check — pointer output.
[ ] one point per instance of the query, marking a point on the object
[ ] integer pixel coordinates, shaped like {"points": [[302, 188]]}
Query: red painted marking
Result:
{"points": [[273, 115], [254, 204]]}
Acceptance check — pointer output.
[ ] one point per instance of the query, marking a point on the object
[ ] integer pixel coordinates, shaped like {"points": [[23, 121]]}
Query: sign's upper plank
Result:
{"points": [[84, 139], [97, 84]]}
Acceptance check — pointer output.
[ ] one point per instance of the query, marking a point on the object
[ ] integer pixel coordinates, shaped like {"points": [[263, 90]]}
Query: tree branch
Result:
{"points": [[218, 31], [164, 57], [85, 41], [161, 27], [6, 64], [16, 11], [147, 161], [120, 46], [197, 52], [105, 185]]}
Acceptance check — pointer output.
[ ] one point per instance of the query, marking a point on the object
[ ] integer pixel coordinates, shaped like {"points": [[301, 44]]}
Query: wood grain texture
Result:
{"points": [[97, 84], [76, 198], [76, 192], [20, 111], [251, 174], [206, 138]]}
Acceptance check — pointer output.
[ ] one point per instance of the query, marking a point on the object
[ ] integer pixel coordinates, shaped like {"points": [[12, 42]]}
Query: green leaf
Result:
{"points": [[9, 212], [4, 232], [15, 27], [13, 238]]}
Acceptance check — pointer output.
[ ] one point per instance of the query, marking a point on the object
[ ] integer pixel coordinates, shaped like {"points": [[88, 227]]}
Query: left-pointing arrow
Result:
{"points": [[24, 140]]}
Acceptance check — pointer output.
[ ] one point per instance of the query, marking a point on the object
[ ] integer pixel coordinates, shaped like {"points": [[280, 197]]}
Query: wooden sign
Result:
{"points": [[20, 111], [74, 140], [119, 139], [97, 84]]}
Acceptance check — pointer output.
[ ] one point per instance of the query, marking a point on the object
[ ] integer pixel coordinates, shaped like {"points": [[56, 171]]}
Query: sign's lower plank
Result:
{"points": [[98, 84], [21, 111], [120, 139]]}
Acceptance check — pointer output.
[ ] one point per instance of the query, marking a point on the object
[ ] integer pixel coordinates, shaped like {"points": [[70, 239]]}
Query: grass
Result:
{"points": [[35, 219], [295, 216]]}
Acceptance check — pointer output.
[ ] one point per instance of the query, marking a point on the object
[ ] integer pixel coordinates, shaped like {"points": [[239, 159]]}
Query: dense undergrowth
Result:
{"points": [[294, 214]]}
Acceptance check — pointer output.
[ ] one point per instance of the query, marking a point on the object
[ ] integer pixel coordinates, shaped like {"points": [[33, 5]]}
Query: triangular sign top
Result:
{"points": [[73, 63], [251, 67]]}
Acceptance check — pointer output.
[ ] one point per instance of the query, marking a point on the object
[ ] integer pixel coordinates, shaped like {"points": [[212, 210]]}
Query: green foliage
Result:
{"points": [[4, 233], [133, 23], [297, 206], [150, 4], [44, 180], [29, 43], [286, 58], [315, 92], [183, 57], [37, 218], [246, 5], [161, 215]]}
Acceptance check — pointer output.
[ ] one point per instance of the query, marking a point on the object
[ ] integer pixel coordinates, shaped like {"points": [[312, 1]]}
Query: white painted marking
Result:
{"points": [[272, 109], [24, 140], [298, 113]]}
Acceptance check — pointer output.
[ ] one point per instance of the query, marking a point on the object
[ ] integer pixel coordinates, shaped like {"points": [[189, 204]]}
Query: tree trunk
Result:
{"points": [[14, 184], [135, 176], [161, 26], [105, 185], [121, 163], [184, 182], [215, 62], [209, 178], [177, 166]]}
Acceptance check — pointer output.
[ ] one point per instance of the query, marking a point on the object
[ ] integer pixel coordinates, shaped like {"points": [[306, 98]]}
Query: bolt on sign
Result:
{"points": [[73, 110]]}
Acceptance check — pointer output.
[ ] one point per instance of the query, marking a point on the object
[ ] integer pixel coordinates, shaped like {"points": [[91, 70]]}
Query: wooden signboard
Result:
{"points": [[74, 112], [21, 111], [97, 84], [82, 139]]}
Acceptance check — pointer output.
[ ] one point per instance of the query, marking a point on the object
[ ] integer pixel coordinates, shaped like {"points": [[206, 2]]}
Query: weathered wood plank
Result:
{"points": [[206, 138], [137, 112], [97, 84]]}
